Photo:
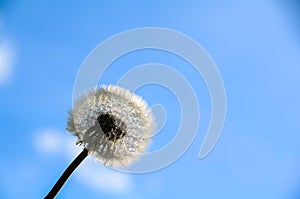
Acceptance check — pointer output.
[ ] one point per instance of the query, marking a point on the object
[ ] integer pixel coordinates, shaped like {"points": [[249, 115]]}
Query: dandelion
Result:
{"points": [[112, 124]]}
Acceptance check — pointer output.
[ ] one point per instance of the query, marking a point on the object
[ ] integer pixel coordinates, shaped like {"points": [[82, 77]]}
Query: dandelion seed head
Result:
{"points": [[113, 124]]}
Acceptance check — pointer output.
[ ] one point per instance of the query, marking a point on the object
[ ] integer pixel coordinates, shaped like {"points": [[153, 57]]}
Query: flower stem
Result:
{"points": [[66, 174]]}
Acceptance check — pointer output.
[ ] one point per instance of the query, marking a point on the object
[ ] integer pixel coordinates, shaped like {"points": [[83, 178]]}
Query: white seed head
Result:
{"points": [[113, 124]]}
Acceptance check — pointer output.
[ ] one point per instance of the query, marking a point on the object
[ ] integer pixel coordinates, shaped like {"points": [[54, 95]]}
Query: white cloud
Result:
{"points": [[90, 173], [6, 61], [51, 141], [48, 141], [103, 179]]}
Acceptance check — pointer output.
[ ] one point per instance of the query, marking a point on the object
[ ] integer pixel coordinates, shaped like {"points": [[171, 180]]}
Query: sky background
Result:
{"points": [[256, 46]]}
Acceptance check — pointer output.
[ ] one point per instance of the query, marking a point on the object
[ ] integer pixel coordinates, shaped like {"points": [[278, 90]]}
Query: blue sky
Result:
{"points": [[256, 46]]}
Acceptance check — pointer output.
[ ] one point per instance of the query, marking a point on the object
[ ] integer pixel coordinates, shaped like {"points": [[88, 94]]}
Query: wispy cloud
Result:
{"points": [[6, 61], [94, 175], [48, 141], [103, 179]]}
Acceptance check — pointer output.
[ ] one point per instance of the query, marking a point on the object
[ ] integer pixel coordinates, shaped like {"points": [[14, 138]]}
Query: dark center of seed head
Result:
{"points": [[112, 127]]}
